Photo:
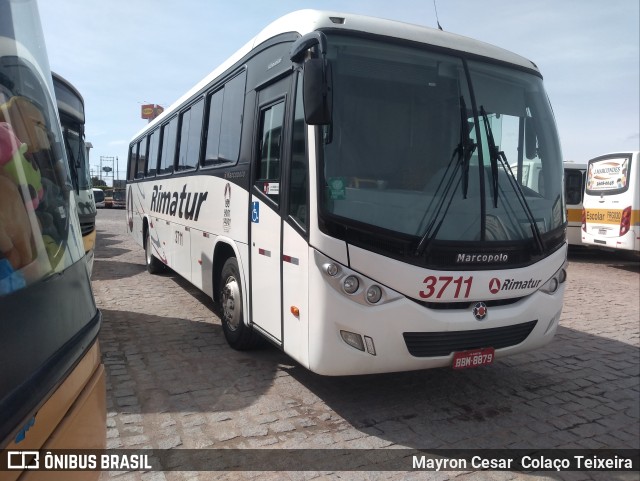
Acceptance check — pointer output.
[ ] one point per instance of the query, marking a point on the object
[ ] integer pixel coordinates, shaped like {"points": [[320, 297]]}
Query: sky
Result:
{"points": [[122, 54]]}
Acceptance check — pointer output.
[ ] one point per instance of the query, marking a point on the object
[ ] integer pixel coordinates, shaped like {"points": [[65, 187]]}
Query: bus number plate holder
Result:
{"points": [[473, 358]]}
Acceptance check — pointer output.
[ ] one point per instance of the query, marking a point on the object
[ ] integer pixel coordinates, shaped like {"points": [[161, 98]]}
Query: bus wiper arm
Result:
{"points": [[494, 155], [466, 145], [499, 157], [459, 160]]}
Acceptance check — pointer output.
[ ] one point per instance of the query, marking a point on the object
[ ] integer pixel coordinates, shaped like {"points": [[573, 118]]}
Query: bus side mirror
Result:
{"points": [[317, 91], [530, 137]]}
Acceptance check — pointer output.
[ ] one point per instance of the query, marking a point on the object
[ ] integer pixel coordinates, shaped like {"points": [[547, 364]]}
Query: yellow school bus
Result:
{"points": [[52, 381]]}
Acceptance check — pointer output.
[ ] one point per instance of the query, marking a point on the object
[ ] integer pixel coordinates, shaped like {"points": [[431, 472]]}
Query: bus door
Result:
{"points": [[266, 199]]}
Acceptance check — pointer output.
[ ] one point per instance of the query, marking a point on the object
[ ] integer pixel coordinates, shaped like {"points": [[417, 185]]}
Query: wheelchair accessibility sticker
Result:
{"points": [[255, 212]]}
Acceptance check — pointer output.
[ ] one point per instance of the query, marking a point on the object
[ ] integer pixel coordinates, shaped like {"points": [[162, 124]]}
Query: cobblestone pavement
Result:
{"points": [[174, 383]]}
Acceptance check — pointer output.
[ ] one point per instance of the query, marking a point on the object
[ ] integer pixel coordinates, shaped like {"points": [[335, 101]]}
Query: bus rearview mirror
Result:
{"points": [[317, 91]]}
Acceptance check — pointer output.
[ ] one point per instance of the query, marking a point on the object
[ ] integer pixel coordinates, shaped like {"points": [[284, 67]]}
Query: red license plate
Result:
{"points": [[473, 358]]}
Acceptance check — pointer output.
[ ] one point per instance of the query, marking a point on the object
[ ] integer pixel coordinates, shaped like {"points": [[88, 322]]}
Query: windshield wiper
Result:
{"points": [[494, 155], [74, 171], [459, 160], [499, 157]]}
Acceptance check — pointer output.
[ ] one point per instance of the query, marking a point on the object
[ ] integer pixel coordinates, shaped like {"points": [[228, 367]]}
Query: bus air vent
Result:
{"points": [[438, 344]]}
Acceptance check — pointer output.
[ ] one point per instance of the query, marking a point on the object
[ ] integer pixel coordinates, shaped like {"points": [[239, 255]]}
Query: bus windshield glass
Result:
{"points": [[410, 151], [39, 223], [76, 152]]}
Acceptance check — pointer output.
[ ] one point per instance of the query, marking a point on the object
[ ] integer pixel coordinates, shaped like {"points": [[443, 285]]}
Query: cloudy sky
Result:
{"points": [[121, 54]]}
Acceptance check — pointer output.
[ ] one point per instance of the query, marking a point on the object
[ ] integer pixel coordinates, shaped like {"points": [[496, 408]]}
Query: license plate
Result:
{"points": [[474, 358]]}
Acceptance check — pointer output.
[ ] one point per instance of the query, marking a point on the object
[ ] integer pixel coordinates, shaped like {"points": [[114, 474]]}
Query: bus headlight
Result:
{"points": [[350, 284], [374, 294], [558, 278], [331, 269]]}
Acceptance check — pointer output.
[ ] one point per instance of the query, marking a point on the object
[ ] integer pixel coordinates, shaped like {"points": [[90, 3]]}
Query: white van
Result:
{"points": [[98, 197]]}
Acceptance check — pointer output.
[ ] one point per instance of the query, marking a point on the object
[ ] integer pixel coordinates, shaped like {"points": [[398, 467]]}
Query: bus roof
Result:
{"points": [[306, 21], [570, 164], [66, 96]]}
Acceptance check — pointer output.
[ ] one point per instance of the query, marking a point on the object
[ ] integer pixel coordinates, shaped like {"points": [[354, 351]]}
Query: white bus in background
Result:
{"points": [[574, 179], [98, 197], [72, 119], [336, 185], [611, 217]]}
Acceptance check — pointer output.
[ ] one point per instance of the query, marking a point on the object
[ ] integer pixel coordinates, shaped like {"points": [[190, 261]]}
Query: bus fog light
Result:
{"points": [[351, 284], [374, 294], [371, 348], [353, 339], [331, 269]]}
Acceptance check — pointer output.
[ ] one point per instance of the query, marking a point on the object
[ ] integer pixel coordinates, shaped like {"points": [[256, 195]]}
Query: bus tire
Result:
{"points": [[154, 265], [239, 336]]}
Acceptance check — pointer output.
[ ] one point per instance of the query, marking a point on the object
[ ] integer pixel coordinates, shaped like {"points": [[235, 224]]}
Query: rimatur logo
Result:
{"points": [[494, 285]]}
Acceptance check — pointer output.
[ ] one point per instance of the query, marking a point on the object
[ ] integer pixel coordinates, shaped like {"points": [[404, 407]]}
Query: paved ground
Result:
{"points": [[174, 382]]}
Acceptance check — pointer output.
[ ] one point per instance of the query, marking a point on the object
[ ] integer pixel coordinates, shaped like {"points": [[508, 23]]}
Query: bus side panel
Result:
{"points": [[74, 416], [84, 425], [136, 212], [295, 294], [36, 364], [574, 226]]}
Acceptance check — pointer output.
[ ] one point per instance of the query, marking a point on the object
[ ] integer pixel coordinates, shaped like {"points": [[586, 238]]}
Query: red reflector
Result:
{"points": [[625, 221], [292, 260]]}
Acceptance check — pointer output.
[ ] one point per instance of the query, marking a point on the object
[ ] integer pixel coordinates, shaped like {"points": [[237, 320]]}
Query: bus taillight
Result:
{"points": [[625, 222], [584, 220]]}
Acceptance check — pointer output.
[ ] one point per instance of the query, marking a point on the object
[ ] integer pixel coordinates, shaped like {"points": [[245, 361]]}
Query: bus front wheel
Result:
{"points": [[238, 334], [154, 266]]}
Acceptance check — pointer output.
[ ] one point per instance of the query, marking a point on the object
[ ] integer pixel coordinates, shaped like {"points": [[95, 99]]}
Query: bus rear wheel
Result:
{"points": [[238, 334], [154, 266]]}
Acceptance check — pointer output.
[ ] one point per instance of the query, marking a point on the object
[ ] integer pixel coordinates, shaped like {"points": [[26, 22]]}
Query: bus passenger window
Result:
{"points": [[133, 162], [268, 176], [190, 132], [224, 123], [142, 158], [167, 154], [152, 164]]}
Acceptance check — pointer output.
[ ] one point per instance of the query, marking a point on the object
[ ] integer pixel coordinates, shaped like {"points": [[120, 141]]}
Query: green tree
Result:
{"points": [[97, 182]]}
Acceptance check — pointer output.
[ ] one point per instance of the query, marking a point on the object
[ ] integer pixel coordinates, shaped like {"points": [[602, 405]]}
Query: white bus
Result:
{"points": [[341, 186], [574, 178], [611, 216], [72, 118]]}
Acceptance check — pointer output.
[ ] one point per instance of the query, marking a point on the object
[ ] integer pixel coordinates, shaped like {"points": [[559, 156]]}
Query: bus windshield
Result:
{"points": [[41, 221], [409, 148]]}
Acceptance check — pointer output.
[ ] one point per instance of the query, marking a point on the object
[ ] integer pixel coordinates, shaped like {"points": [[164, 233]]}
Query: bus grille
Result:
{"points": [[87, 227], [435, 344]]}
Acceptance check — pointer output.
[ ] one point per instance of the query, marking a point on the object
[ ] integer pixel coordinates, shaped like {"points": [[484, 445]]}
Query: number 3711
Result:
{"points": [[439, 285]]}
